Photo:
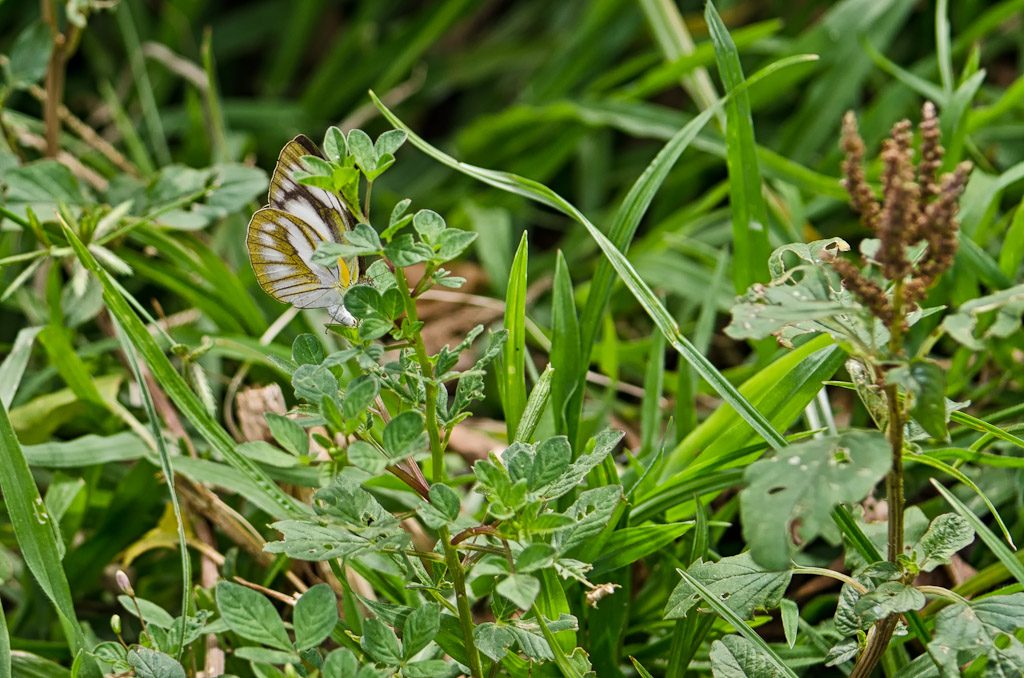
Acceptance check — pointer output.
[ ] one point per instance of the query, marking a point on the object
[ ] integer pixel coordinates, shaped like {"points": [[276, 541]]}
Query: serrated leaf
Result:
{"points": [[604, 443], [793, 493], [1008, 306], [551, 459], [340, 663], [736, 657], [152, 664], [965, 631], [380, 642], [946, 535], [420, 627], [446, 500], [739, 582], [590, 513], [251, 615], [403, 435], [889, 598], [493, 640], [315, 616], [405, 251]]}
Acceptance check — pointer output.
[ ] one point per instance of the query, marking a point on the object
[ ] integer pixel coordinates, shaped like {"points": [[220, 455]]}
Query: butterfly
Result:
{"points": [[283, 236]]}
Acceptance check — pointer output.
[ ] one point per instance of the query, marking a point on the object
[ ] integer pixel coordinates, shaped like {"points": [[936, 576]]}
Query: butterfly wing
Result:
{"points": [[281, 247], [283, 236]]}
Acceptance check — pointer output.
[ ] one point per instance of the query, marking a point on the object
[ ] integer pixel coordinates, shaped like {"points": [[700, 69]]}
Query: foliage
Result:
{"points": [[497, 469]]}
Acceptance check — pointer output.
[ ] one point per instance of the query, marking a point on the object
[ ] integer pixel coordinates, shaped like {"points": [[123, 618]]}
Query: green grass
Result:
{"points": [[652, 154]]}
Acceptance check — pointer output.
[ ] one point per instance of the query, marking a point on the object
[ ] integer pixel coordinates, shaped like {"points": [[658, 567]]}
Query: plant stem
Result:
{"points": [[878, 641], [451, 554]]}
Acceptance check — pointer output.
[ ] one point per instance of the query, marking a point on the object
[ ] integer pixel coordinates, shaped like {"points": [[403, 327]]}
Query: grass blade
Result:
{"points": [[178, 390], [512, 383], [35, 533], [658, 313], [999, 549], [168, 470], [741, 626], [13, 366], [566, 396], [749, 212]]}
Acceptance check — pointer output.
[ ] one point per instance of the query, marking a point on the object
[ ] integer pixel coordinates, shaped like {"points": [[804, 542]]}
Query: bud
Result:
{"points": [[115, 624], [124, 583]]}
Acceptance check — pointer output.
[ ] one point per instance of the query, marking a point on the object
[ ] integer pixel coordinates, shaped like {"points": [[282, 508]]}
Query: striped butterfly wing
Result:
{"points": [[283, 236]]}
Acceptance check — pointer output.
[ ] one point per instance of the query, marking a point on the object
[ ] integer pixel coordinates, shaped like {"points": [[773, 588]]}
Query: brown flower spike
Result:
{"points": [[916, 206]]}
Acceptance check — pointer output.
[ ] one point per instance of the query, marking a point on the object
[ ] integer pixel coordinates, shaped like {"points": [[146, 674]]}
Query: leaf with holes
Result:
{"points": [[790, 495], [889, 598], [965, 631], [738, 581]]}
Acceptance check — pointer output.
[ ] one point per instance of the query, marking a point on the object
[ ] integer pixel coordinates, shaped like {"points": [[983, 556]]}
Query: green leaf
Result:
{"points": [[521, 589], [13, 366], [452, 242], [380, 642], [512, 376], [419, 628], [42, 185], [367, 457], [30, 55], [35, 533], [604, 443], [359, 395], [429, 224], [591, 513], [360, 145], [404, 251], [965, 631], [316, 614], [566, 400], [662, 318], [493, 640], [738, 582], [151, 612], [340, 663], [288, 434], [363, 301], [737, 657], [536, 405], [790, 620], [389, 142], [926, 382], [889, 598], [335, 148], [1007, 305], [446, 500], [792, 493], [737, 622], [403, 435], [946, 535], [631, 544], [307, 350], [749, 212], [251, 615], [430, 668], [271, 497], [535, 557], [314, 383], [551, 460], [152, 664]]}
